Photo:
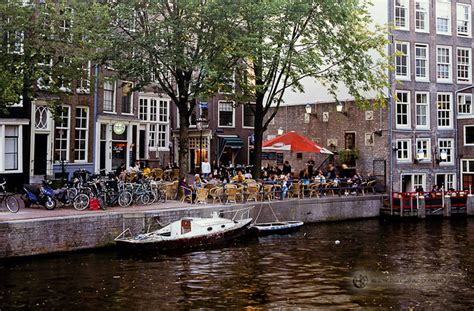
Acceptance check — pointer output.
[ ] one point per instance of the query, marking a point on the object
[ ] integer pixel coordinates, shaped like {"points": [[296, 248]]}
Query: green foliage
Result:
{"points": [[345, 155], [46, 47]]}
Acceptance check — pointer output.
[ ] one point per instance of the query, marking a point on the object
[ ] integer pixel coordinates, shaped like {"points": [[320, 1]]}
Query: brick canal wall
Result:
{"points": [[62, 234]]}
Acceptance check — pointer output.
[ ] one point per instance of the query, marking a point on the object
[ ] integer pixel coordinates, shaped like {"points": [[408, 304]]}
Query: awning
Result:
{"points": [[232, 142]]}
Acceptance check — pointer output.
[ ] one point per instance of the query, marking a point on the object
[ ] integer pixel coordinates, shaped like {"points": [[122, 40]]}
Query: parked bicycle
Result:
{"points": [[11, 201]]}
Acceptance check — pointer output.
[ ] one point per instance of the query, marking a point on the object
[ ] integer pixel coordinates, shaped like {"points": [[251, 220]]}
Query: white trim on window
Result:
{"points": [[403, 152], [19, 149], [85, 138], [114, 97], [444, 114], [463, 20], [464, 65], [446, 144], [422, 110], [444, 64], [243, 117], [402, 110], [422, 62], [402, 14], [424, 145], [464, 106], [67, 128], [219, 113], [443, 17], [422, 16], [402, 62]]}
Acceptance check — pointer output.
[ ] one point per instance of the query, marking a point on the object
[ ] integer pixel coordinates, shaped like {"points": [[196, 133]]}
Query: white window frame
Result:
{"points": [[413, 183], [464, 110], [450, 151], [422, 7], [460, 7], [114, 97], [426, 150], [408, 158], [452, 181], [408, 109], [443, 10], [67, 128], [426, 60], [152, 130], [143, 112], [427, 107], [153, 124], [84, 83], [219, 114], [397, 58], [404, 5], [468, 64], [464, 134], [86, 129], [449, 79], [449, 110], [19, 150], [243, 117]]}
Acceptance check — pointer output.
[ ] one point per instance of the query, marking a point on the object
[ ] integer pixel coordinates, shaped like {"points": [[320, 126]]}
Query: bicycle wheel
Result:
{"points": [[81, 202], [71, 193], [145, 198], [12, 204], [125, 199]]}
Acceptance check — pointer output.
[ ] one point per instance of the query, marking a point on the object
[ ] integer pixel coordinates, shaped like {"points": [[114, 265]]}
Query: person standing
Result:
{"points": [[286, 168], [205, 168]]}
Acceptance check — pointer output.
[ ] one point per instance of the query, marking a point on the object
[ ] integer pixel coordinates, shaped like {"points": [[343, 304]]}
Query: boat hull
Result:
{"points": [[203, 241], [278, 228]]}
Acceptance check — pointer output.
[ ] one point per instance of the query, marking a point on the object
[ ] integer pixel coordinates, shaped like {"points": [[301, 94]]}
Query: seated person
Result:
{"points": [[239, 177], [187, 190], [197, 182]]}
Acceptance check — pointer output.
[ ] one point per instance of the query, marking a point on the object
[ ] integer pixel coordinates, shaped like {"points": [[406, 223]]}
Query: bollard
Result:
{"points": [[447, 206], [470, 205], [421, 207]]}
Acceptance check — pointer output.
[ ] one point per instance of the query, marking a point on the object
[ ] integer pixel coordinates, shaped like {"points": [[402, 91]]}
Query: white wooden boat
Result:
{"points": [[189, 232], [279, 227]]}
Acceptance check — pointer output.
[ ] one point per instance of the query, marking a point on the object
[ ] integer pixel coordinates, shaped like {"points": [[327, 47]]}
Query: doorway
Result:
{"points": [[141, 149], [41, 154]]}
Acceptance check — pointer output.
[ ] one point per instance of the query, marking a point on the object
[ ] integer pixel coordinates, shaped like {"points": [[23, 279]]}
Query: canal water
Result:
{"points": [[377, 264]]}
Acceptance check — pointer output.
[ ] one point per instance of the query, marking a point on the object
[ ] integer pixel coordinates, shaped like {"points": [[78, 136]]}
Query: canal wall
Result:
{"points": [[70, 233]]}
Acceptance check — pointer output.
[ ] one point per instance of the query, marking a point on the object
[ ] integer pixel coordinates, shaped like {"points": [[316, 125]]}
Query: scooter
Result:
{"points": [[41, 195]]}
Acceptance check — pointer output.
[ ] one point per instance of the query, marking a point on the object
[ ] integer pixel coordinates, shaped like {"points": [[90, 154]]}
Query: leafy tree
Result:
{"points": [[179, 47], [282, 42], [45, 48]]}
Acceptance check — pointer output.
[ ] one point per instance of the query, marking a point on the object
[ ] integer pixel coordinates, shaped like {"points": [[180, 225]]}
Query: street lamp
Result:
{"points": [[308, 109], [280, 131], [339, 107], [201, 124]]}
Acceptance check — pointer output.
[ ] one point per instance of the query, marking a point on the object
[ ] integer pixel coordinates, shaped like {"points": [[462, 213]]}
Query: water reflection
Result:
{"points": [[400, 265]]}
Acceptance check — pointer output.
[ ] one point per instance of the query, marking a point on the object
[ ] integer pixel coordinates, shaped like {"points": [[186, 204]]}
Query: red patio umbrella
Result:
{"points": [[293, 142]]}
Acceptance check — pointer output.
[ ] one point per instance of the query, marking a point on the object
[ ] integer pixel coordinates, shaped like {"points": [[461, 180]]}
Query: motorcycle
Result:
{"points": [[41, 195]]}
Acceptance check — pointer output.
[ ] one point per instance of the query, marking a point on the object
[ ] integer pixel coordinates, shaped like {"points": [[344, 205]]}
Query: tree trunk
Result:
{"points": [[258, 132], [183, 146]]}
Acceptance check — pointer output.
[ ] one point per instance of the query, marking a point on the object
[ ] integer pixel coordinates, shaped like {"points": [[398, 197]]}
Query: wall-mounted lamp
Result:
{"points": [[340, 108], [394, 147], [280, 131], [309, 112], [378, 132]]}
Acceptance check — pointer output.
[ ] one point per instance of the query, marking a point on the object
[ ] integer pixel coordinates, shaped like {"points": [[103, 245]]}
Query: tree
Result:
{"points": [[45, 48], [177, 46], [282, 42]]}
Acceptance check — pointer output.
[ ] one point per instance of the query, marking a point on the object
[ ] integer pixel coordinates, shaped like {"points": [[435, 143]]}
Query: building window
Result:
{"points": [[226, 114], [421, 62], [464, 104], [423, 149], [401, 14], [422, 110], [469, 135], [464, 20], [41, 118], [443, 65], [61, 135], [402, 61], [446, 181], [403, 109], [153, 110], [444, 110], [162, 131], [422, 22], [249, 115], [143, 109], [11, 148], [84, 84], [80, 146], [446, 145], [163, 111], [443, 17], [109, 95], [152, 136], [127, 97], [404, 150], [464, 65], [412, 182]]}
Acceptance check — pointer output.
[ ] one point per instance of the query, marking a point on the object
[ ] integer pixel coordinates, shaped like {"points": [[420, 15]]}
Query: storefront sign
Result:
{"points": [[119, 128]]}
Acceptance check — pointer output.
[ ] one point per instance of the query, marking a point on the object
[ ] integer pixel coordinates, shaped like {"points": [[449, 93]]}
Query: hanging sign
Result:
{"points": [[119, 128]]}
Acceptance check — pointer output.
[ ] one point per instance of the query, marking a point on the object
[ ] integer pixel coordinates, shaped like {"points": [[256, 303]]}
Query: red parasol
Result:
{"points": [[293, 142]]}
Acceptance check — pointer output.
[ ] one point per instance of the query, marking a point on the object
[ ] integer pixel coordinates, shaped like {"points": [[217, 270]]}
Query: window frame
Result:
{"points": [[408, 108], [428, 149], [464, 135], [468, 65], [408, 158], [67, 128], [449, 79], [404, 5], [86, 135], [450, 152], [426, 13], [113, 102], [426, 78], [131, 99], [427, 105], [219, 113], [448, 15], [467, 34], [450, 110], [243, 117], [406, 77], [459, 101]]}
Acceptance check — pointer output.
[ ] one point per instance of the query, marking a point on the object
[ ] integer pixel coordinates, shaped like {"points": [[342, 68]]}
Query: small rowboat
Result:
{"points": [[281, 227]]}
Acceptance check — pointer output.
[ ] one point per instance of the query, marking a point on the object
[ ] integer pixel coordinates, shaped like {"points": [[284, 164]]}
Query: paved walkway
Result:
{"points": [[61, 211]]}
